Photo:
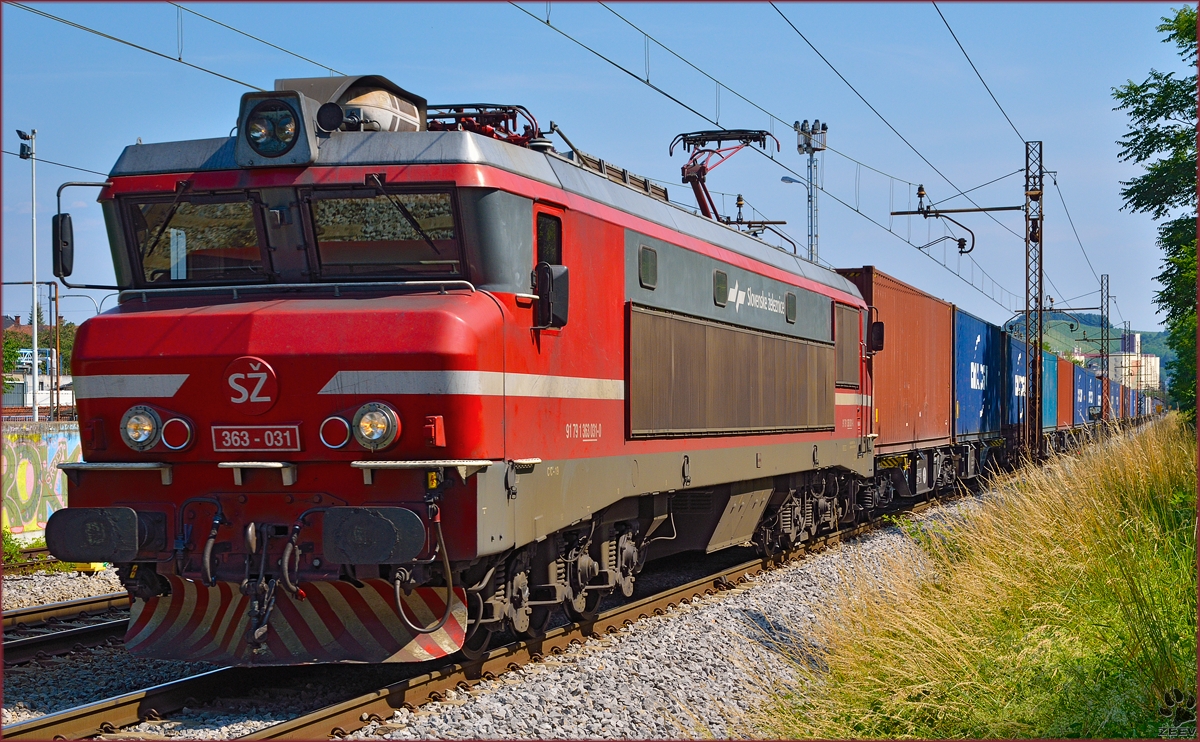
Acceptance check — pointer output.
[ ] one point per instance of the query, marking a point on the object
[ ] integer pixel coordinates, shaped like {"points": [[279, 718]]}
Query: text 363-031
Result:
{"points": [[256, 437]]}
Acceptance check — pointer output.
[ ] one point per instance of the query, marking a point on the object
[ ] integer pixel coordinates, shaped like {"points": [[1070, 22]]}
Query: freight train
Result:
{"points": [[386, 378]]}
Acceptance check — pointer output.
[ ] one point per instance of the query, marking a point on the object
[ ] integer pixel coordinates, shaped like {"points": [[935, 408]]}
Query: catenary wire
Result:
{"points": [[901, 136], [976, 188], [1018, 133], [681, 58], [1071, 221], [261, 41], [101, 34], [52, 162], [973, 67], [898, 134], [881, 117], [662, 92]]}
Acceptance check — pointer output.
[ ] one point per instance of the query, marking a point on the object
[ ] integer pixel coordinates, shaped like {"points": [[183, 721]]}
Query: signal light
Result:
{"points": [[176, 434], [335, 432]]}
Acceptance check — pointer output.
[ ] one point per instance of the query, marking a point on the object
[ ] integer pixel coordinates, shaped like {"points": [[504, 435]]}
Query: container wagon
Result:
{"points": [[912, 381], [979, 373]]}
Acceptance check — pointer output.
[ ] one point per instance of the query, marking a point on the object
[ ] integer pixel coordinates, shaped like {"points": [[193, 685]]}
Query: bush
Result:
{"points": [[12, 547], [1065, 606]]}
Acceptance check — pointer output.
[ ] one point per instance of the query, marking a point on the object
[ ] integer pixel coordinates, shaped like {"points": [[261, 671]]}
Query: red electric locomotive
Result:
{"points": [[385, 378]]}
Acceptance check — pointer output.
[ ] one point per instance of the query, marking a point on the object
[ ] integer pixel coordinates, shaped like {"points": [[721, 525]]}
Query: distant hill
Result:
{"points": [[1066, 332]]}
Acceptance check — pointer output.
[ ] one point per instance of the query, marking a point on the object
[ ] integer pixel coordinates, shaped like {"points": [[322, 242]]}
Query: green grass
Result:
{"points": [[1064, 607], [13, 553]]}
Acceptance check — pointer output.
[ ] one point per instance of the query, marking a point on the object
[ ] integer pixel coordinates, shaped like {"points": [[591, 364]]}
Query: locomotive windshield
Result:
{"points": [[352, 233], [385, 233], [196, 240]]}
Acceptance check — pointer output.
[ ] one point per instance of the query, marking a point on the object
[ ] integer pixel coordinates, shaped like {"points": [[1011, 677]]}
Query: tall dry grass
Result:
{"points": [[1064, 605]]}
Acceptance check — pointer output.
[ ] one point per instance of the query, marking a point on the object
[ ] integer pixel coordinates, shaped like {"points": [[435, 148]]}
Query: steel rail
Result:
{"points": [[341, 719], [31, 560], [109, 715], [24, 649], [65, 609]]}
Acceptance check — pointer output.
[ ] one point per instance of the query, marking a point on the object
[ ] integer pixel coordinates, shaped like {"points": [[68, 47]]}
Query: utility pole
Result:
{"points": [[810, 141], [29, 152], [1033, 299], [1106, 379]]}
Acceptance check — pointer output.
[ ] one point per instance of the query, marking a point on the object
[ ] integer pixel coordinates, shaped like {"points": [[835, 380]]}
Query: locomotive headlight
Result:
{"points": [[271, 128], [375, 426], [141, 428]]}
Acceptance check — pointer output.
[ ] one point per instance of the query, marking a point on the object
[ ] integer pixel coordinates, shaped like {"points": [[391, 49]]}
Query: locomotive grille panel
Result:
{"points": [[690, 377], [692, 502]]}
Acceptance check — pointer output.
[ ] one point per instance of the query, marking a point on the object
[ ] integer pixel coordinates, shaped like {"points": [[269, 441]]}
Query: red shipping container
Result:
{"points": [[1066, 393], [913, 373]]}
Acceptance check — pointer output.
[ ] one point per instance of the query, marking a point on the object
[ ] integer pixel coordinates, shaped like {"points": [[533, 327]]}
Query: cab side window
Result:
{"points": [[549, 239]]}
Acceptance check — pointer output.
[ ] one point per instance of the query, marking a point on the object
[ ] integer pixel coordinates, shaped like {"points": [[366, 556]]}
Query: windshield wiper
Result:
{"points": [[407, 214], [180, 188]]}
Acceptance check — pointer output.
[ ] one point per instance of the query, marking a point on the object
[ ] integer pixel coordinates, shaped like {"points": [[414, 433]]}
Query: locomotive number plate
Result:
{"points": [[256, 437]]}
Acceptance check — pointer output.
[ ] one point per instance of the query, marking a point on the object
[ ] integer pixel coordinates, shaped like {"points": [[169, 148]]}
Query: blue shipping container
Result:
{"points": [[1049, 391], [1081, 396], [978, 377], [1014, 383]]}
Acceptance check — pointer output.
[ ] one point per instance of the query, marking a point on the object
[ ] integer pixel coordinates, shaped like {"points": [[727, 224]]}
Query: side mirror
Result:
{"points": [[63, 237], [553, 288], [876, 337]]}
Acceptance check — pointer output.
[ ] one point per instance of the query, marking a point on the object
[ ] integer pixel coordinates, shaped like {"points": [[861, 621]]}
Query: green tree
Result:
{"points": [[66, 341], [11, 345], [1162, 138]]}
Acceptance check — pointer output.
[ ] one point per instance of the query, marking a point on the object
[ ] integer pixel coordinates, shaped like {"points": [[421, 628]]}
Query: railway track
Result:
{"points": [[109, 716], [32, 560], [58, 628]]}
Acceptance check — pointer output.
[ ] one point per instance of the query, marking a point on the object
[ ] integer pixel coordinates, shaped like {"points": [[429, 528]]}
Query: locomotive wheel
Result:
{"points": [[627, 555], [539, 621], [519, 610], [477, 645], [585, 606]]}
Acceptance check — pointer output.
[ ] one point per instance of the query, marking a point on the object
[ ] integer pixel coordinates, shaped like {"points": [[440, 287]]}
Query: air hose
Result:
{"points": [[441, 542]]}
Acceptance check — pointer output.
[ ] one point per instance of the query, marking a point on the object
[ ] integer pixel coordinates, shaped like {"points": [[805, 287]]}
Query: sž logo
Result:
{"points": [[252, 385]]}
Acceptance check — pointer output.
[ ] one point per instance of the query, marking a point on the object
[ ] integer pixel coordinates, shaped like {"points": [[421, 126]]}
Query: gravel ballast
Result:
{"points": [[22, 591], [699, 671], [86, 676]]}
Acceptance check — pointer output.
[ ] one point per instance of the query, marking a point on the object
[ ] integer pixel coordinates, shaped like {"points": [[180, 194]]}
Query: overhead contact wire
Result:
{"points": [[973, 67], [256, 38], [1019, 136], [110, 37], [780, 164], [1071, 221], [681, 58]]}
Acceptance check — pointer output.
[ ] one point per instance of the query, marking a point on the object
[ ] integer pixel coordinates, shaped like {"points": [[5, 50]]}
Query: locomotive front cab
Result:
{"points": [[291, 413]]}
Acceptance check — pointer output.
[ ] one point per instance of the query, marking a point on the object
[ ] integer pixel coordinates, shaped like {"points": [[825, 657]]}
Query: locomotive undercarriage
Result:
{"points": [[575, 568]]}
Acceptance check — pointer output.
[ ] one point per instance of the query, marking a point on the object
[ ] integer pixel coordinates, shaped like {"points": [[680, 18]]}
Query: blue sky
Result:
{"points": [[1052, 67]]}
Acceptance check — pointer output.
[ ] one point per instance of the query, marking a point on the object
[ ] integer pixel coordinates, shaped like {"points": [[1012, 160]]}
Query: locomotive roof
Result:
{"points": [[460, 147]]}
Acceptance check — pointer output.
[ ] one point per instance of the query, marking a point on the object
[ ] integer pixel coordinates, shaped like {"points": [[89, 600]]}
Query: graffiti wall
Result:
{"points": [[33, 486]]}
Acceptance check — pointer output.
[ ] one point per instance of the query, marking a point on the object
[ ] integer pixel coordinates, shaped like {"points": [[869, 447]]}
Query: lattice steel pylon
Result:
{"points": [[1033, 300], [1106, 401]]}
